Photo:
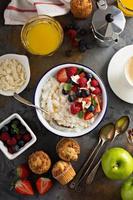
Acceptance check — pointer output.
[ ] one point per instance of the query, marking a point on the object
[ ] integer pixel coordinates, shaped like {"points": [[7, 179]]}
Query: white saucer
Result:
{"points": [[116, 76]]}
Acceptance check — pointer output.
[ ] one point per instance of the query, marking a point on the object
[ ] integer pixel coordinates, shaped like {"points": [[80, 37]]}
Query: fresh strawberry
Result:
{"points": [[98, 107], [71, 71], [61, 75], [23, 171], [88, 115], [94, 83], [43, 185], [82, 82], [24, 187], [72, 33], [75, 107], [97, 91], [74, 43], [75, 88], [27, 137], [11, 141], [87, 99], [82, 75], [4, 136]]}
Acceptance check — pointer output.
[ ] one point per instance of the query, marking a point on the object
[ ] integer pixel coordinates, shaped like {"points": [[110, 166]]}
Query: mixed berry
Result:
{"points": [[14, 136], [82, 90]]}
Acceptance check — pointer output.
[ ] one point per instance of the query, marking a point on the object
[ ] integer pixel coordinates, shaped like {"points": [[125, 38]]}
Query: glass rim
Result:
{"points": [[120, 1], [35, 19]]}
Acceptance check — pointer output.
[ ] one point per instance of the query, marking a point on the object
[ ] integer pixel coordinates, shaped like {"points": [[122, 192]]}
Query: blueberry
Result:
{"points": [[85, 93], [65, 92], [79, 93], [4, 129], [21, 143], [16, 148], [12, 132], [89, 75], [91, 108], [22, 130], [72, 98]]}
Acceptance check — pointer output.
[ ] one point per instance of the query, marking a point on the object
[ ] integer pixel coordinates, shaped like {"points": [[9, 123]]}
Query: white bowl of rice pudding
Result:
{"points": [[14, 74], [62, 118]]}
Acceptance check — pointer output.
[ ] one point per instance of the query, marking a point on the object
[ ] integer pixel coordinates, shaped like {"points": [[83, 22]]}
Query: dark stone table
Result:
{"points": [[98, 59]]}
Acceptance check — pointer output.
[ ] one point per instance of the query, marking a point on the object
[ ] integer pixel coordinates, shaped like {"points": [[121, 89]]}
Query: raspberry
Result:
{"points": [[11, 141], [76, 107], [75, 88], [82, 82], [71, 71], [27, 137], [97, 91], [4, 136], [72, 33], [94, 83], [18, 137]]}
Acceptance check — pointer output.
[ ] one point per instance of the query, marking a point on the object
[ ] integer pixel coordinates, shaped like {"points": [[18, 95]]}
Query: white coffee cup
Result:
{"points": [[128, 69]]}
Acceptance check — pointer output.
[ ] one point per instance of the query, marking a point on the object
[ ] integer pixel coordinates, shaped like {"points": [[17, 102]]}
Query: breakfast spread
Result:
{"points": [[14, 136], [68, 149], [74, 99], [12, 75], [39, 162], [63, 172]]}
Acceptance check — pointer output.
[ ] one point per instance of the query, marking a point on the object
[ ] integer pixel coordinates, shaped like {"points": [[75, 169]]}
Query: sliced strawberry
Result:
{"points": [[71, 71], [23, 171], [97, 91], [88, 115], [75, 107], [24, 187], [82, 82], [61, 76], [43, 185], [94, 82]]}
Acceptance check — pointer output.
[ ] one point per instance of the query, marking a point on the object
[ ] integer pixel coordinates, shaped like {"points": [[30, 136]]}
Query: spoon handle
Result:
{"points": [[27, 102], [92, 174], [75, 181], [87, 170]]}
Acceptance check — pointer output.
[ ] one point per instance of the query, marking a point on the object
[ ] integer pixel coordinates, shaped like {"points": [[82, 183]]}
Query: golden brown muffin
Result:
{"points": [[39, 162], [63, 172], [81, 8], [68, 149]]}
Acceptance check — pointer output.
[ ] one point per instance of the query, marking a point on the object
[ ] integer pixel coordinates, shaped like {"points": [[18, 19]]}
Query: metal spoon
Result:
{"points": [[121, 126], [26, 102], [106, 133]]}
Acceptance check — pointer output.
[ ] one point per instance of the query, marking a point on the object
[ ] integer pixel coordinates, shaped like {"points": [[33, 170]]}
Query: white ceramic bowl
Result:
{"points": [[25, 63], [26, 146], [68, 133]]}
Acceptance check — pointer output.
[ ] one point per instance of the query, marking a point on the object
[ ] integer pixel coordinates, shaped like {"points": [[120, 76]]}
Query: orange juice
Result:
{"points": [[42, 35], [126, 6]]}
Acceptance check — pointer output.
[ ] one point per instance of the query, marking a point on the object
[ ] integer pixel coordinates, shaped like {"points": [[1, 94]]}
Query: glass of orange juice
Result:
{"points": [[42, 35], [126, 6]]}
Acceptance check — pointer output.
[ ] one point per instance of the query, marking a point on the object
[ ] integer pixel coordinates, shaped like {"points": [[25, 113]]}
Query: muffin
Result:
{"points": [[68, 149], [81, 8], [63, 172], [39, 162]]}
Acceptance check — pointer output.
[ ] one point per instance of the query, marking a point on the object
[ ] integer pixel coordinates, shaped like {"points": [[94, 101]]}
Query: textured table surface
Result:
{"points": [[98, 59]]}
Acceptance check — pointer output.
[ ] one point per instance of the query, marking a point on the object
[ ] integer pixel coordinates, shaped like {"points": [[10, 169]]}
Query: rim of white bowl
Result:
{"points": [[68, 133]]}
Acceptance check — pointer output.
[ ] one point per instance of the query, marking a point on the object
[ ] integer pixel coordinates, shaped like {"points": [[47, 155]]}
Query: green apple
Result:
{"points": [[127, 189], [117, 163]]}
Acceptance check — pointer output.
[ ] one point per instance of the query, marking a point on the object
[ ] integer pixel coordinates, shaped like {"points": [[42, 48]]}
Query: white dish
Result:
{"points": [[25, 62], [26, 146], [68, 133], [116, 74]]}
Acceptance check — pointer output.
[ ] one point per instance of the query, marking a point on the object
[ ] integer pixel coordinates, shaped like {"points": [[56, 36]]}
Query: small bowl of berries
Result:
{"points": [[15, 136], [74, 97]]}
